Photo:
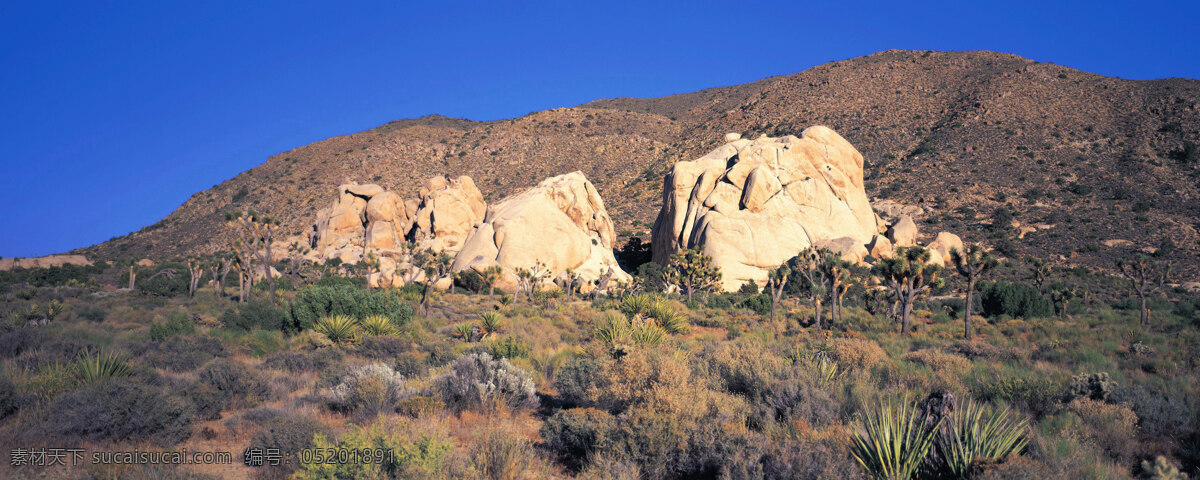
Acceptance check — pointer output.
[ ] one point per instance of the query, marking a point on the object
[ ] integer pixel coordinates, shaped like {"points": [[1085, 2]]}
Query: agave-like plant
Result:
{"points": [[646, 332], [824, 369], [666, 317], [979, 433], [465, 331], [892, 440], [491, 322], [100, 366], [612, 328], [636, 303], [377, 325], [53, 309], [338, 328]]}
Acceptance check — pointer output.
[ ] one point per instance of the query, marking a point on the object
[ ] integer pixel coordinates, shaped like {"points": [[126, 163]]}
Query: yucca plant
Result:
{"points": [[465, 331], [666, 316], [636, 303], [491, 322], [612, 328], [979, 434], [377, 325], [338, 328], [892, 440], [53, 309], [646, 332], [824, 369], [506, 299], [100, 366]]}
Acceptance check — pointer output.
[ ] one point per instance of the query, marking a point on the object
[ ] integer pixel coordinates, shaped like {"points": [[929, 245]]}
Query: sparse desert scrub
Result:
{"points": [[480, 382]]}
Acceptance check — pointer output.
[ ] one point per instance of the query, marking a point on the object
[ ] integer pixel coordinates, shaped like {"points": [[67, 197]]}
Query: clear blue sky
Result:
{"points": [[114, 113]]}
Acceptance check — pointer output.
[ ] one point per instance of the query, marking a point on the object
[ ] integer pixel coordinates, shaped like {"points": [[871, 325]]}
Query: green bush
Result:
{"points": [[760, 304], [312, 303], [256, 314], [91, 314], [165, 280], [177, 323], [179, 353], [9, 400], [1014, 300], [509, 347]]}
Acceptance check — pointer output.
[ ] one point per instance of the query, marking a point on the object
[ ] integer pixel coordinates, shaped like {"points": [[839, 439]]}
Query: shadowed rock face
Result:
{"points": [[561, 223], [753, 204]]}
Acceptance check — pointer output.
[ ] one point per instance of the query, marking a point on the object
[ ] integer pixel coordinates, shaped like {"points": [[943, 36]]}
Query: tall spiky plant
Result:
{"points": [[100, 366], [338, 328], [377, 325], [491, 322], [979, 433], [646, 332], [971, 263], [892, 440], [612, 328], [465, 331]]}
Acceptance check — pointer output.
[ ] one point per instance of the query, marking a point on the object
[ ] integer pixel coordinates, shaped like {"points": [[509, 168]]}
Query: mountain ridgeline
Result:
{"points": [[1077, 167]]}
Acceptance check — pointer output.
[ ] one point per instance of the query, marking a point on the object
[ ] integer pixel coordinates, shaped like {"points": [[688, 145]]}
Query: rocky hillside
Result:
{"points": [[1080, 160]]}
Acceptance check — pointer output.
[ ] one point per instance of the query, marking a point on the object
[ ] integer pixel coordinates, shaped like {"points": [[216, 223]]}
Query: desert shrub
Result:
{"points": [[480, 382], [1164, 410], [509, 347], [418, 406], [651, 276], [164, 280], [760, 304], [471, 281], [372, 389], [1038, 394], [256, 314], [798, 397], [1113, 428], [289, 435], [122, 409], [101, 366], [1014, 300], [21, 340], [744, 367], [177, 323], [855, 352], [226, 383], [938, 361], [573, 380], [801, 459], [313, 303], [303, 361], [414, 453], [575, 434], [1161, 469], [1096, 386], [610, 467], [91, 313], [383, 347], [9, 400], [499, 453]]}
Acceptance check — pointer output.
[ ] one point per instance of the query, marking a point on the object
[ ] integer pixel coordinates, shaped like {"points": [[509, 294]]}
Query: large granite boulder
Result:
{"points": [[561, 223], [753, 204], [447, 212]]}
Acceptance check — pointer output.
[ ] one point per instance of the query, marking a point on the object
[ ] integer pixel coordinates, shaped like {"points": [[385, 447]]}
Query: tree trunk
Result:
{"points": [[817, 305], [905, 312], [1145, 312], [132, 276], [967, 331], [690, 290], [491, 290], [241, 287], [270, 281]]}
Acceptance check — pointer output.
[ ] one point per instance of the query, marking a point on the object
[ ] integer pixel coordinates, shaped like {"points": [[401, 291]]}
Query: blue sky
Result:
{"points": [[114, 113]]}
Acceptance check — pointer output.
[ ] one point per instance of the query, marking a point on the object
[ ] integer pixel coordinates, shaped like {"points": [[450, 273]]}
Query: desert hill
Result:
{"points": [[1080, 160]]}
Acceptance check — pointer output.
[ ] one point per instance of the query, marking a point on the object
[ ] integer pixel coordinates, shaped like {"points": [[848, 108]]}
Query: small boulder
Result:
{"points": [[903, 233]]}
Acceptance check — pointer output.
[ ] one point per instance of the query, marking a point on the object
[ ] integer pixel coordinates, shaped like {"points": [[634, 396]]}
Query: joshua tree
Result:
{"points": [[1061, 294], [777, 279], [909, 275], [971, 264], [195, 271], [840, 275], [1039, 270], [808, 265], [490, 276], [254, 237], [691, 270], [436, 266], [528, 279], [1145, 278]]}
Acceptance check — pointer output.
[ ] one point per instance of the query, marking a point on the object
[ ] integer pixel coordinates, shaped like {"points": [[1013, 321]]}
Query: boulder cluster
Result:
{"points": [[560, 225], [752, 205]]}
